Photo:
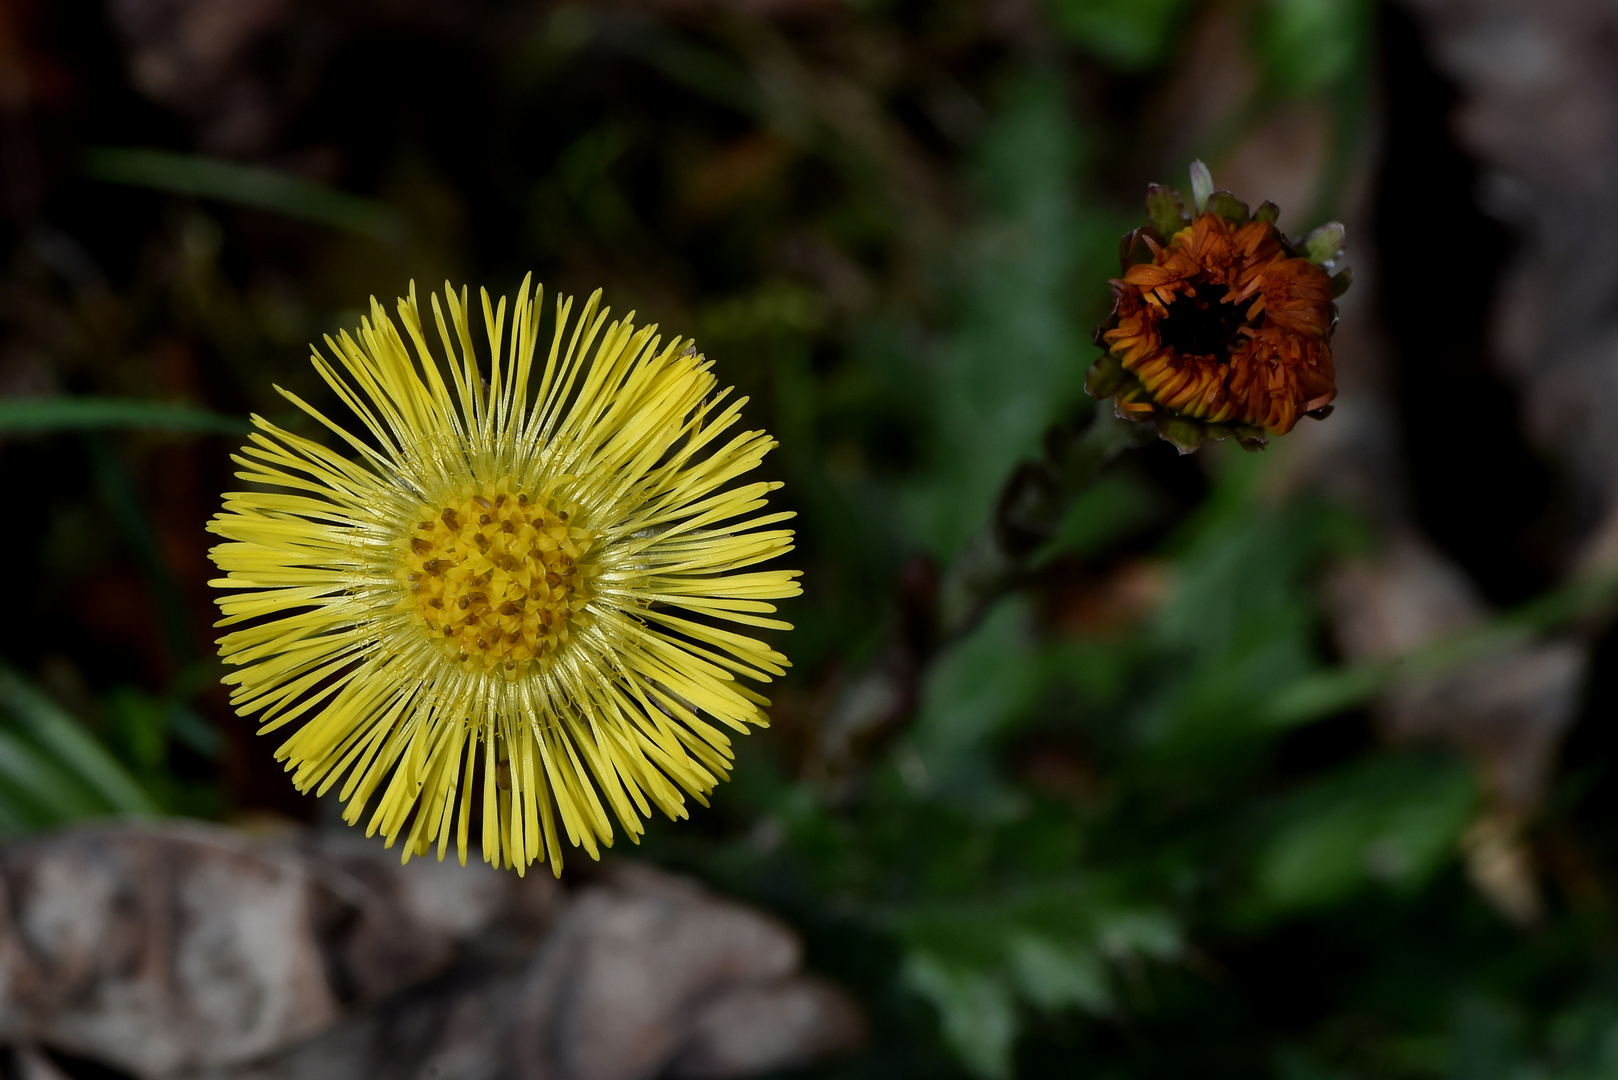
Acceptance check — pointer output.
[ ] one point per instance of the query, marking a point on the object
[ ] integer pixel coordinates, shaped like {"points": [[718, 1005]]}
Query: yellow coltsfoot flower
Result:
{"points": [[508, 607]]}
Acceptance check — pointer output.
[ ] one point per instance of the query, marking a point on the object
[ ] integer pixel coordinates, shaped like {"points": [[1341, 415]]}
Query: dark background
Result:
{"points": [[1087, 835]]}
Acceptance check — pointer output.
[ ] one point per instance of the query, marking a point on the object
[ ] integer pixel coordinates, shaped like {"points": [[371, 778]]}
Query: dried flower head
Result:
{"points": [[1220, 327], [509, 606]]}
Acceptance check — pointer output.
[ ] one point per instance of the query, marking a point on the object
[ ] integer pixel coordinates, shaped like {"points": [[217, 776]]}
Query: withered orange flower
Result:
{"points": [[1220, 326]]}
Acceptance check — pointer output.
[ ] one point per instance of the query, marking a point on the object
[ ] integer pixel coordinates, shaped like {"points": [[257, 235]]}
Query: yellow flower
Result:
{"points": [[509, 605]]}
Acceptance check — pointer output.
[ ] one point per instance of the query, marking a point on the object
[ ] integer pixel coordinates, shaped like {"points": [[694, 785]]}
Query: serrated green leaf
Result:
{"points": [[1014, 299]]}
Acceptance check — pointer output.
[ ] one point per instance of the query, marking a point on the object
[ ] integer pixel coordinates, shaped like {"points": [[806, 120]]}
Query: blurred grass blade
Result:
{"points": [[55, 731], [44, 786], [243, 185], [1315, 697], [27, 416]]}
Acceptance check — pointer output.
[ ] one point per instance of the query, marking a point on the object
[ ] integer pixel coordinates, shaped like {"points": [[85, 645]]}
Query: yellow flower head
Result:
{"points": [[510, 604]]}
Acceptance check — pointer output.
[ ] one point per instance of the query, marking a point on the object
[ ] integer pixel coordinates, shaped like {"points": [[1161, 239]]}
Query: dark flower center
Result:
{"points": [[1201, 325]]}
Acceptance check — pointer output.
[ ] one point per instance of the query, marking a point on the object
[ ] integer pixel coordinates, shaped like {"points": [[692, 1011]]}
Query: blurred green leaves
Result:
{"points": [[52, 770], [972, 692], [1323, 693], [1054, 976], [1392, 819], [1132, 35], [1309, 45], [1239, 622], [1114, 507], [1303, 45], [55, 770], [1012, 361], [975, 1009], [1053, 947]]}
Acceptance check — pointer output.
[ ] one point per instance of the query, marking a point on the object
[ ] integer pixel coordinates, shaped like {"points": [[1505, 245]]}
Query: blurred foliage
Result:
{"points": [[1133, 822], [1132, 35], [51, 769], [269, 189], [1311, 45]]}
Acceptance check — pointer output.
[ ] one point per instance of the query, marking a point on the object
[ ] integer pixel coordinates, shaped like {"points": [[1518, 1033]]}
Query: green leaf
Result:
{"points": [[55, 796], [1139, 933], [1393, 820], [1186, 435], [1323, 694], [1307, 45], [1007, 368], [975, 690], [137, 725], [243, 185], [74, 748], [975, 1008], [194, 732], [1129, 34], [29, 416], [1056, 976], [1115, 507]]}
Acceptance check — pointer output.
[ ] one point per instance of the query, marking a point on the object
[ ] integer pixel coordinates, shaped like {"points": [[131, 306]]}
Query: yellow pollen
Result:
{"points": [[496, 579]]}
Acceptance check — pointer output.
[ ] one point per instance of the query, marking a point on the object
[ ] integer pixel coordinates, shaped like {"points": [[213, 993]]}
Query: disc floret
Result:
{"points": [[498, 580]]}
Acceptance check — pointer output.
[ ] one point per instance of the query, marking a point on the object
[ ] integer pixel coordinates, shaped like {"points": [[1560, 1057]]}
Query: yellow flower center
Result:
{"points": [[496, 578]]}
